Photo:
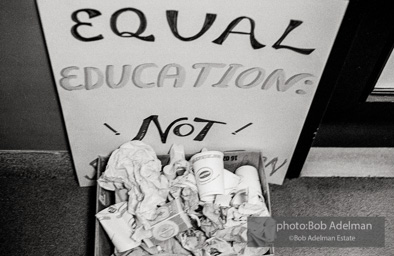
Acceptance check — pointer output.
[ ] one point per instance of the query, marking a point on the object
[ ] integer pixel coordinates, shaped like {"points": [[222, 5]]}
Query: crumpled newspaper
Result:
{"points": [[135, 166]]}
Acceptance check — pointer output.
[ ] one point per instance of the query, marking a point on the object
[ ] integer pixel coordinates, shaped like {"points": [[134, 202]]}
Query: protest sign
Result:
{"points": [[221, 74]]}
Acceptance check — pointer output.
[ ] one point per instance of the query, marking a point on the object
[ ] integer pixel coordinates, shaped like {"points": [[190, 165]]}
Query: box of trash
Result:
{"points": [[178, 204]]}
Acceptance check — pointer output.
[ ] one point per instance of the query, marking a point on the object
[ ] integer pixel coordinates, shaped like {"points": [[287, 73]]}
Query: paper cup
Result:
{"points": [[208, 170], [231, 182], [250, 181]]}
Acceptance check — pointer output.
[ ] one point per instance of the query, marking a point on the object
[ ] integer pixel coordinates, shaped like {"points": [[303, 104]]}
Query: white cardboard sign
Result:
{"points": [[221, 74]]}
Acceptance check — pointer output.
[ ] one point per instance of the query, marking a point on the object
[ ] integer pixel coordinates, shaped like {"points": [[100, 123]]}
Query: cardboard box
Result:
{"points": [[232, 160]]}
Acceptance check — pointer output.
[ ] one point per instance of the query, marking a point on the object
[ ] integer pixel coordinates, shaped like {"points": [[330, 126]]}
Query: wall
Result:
{"points": [[29, 109]]}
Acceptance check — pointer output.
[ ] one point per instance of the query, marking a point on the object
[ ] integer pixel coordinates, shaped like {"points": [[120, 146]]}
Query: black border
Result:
{"points": [[325, 90], [363, 45], [380, 64], [350, 121]]}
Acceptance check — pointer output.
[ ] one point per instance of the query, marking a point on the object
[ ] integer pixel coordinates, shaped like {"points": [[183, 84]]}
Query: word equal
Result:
{"points": [[172, 20]]}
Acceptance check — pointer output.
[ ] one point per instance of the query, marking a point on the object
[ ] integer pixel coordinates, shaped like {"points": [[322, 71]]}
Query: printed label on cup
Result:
{"points": [[208, 169], [204, 175]]}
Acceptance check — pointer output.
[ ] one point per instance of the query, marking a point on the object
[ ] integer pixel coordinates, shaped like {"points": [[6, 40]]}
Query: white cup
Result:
{"points": [[208, 170], [250, 181], [231, 182]]}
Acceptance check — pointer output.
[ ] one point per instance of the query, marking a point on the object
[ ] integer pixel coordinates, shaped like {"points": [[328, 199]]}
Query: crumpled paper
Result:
{"points": [[254, 209], [242, 250], [133, 252], [136, 167], [185, 187], [119, 225], [169, 247], [233, 234], [192, 240], [178, 164], [134, 173], [247, 205], [213, 219], [234, 218], [255, 251], [216, 246], [213, 213], [181, 179]]}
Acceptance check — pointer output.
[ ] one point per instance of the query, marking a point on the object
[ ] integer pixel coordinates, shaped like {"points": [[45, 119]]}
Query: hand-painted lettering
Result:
{"points": [[66, 77], [207, 127], [172, 18], [172, 22], [174, 75], [125, 77], [141, 29], [229, 30], [177, 129], [74, 29], [292, 25], [155, 118], [178, 76], [137, 75]]}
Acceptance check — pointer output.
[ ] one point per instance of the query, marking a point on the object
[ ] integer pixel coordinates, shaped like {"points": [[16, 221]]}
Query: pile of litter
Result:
{"points": [[187, 207]]}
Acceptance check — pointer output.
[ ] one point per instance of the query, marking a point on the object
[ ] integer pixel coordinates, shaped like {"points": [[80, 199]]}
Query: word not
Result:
{"points": [[177, 129], [112, 129], [240, 129], [175, 75], [172, 20]]}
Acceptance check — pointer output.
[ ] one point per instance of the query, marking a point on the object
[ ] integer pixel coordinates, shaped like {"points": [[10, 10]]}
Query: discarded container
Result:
{"points": [[232, 161]]}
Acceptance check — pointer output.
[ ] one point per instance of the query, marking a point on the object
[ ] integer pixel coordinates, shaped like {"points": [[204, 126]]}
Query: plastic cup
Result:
{"points": [[208, 170]]}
